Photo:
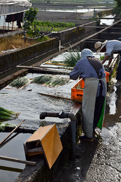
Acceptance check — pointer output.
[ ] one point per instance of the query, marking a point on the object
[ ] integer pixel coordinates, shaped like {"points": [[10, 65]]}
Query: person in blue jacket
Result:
{"points": [[110, 47], [91, 70]]}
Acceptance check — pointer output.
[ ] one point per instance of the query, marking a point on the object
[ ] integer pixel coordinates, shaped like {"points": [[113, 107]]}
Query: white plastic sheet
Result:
{"points": [[13, 6]]}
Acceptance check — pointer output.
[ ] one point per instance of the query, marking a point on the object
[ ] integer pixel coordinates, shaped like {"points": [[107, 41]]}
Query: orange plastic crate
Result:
{"points": [[77, 94]]}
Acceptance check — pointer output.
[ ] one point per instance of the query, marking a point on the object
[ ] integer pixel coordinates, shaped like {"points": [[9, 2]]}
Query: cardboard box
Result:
{"points": [[45, 141]]}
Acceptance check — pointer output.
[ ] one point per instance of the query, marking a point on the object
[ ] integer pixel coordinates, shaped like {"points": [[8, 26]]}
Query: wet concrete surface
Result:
{"points": [[99, 161], [29, 103]]}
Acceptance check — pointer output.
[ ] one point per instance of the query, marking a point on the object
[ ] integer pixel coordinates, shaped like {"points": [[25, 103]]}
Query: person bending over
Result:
{"points": [[91, 70]]}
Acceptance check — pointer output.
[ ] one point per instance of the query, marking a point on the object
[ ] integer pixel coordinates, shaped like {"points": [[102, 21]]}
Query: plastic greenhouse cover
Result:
{"points": [[13, 6]]}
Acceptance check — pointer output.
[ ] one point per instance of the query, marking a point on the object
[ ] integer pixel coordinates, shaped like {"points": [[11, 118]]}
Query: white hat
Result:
{"points": [[99, 45], [86, 53]]}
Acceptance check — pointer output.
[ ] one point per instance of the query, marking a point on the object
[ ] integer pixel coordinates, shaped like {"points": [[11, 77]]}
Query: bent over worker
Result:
{"points": [[91, 70], [110, 47]]}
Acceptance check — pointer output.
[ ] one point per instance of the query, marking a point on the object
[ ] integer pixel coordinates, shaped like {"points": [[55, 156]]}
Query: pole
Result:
{"points": [[17, 160], [11, 133]]}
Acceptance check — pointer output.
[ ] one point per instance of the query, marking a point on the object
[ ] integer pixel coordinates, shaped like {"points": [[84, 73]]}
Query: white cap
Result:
{"points": [[86, 53]]}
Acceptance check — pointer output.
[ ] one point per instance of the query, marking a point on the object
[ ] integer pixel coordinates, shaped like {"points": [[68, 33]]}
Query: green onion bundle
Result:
{"points": [[7, 114], [19, 82]]}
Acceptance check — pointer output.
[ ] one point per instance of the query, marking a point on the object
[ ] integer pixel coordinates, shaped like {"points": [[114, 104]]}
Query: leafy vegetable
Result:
{"points": [[59, 81], [42, 79], [7, 114], [19, 82], [5, 110], [3, 125], [50, 81], [72, 58]]}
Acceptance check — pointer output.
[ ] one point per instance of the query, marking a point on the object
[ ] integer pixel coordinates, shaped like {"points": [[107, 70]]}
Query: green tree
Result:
{"points": [[30, 22], [117, 9], [118, 2], [30, 15], [29, 18]]}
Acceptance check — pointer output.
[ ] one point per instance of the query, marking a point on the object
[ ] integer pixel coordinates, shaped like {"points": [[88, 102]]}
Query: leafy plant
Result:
{"points": [[72, 58], [19, 82], [102, 57], [42, 79], [34, 27], [50, 81], [30, 21], [30, 15], [59, 81]]}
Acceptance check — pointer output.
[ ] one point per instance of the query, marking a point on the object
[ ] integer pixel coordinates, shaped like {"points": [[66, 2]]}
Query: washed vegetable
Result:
{"points": [[3, 125], [72, 58], [59, 81], [42, 79], [50, 80], [19, 82], [7, 114]]}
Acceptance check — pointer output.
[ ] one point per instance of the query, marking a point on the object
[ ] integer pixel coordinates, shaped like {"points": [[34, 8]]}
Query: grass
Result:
{"points": [[17, 41], [13, 42]]}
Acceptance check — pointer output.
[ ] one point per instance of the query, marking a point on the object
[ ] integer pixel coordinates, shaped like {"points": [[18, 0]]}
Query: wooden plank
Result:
{"points": [[35, 151], [52, 146], [11, 133], [39, 67], [17, 160], [55, 96]]}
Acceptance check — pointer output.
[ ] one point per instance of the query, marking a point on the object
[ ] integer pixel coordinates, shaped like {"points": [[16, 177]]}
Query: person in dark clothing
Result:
{"points": [[91, 70]]}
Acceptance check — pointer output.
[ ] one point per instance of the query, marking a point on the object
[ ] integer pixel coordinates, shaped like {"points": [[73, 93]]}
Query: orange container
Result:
{"points": [[77, 93], [107, 76], [77, 90]]}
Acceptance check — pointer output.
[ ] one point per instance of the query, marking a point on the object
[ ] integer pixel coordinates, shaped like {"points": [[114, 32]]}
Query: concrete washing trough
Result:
{"points": [[30, 103]]}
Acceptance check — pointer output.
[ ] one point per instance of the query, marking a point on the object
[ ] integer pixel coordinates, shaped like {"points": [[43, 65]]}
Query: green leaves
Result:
{"points": [[30, 15], [34, 28], [72, 58], [19, 82], [50, 80], [7, 114]]}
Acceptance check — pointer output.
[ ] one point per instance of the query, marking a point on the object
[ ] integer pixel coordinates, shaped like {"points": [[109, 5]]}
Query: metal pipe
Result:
{"points": [[73, 125]]}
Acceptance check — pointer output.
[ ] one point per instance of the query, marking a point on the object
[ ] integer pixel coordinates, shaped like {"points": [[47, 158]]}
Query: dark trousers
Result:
{"points": [[118, 76], [98, 107], [98, 110]]}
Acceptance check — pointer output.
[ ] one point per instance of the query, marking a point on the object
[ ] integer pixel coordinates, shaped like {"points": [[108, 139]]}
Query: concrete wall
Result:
{"points": [[73, 35], [44, 49], [34, 52]]}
